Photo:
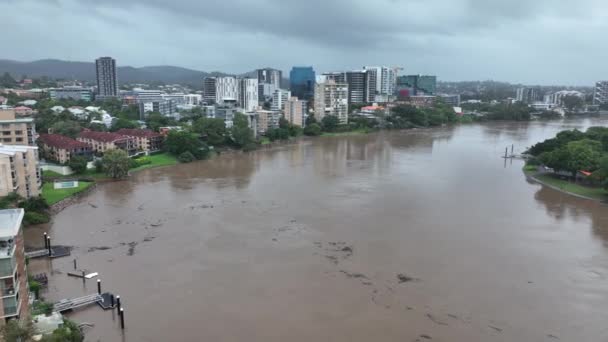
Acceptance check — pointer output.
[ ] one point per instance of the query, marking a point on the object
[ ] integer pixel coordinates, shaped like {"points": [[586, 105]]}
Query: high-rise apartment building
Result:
{"points": [[279, 98], [383, 80], [71, 92], [302, 82], [361, 89], [331, 98], [268, 81], [226, 89], [248, 93], [16, 131], [528, 94], [107, 84], [13, 270], [600, 94], [19, 171], [295, 111], [209, 94]]}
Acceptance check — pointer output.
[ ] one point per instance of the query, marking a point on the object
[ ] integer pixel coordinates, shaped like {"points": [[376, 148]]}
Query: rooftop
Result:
{"points": [[142, 133], [101, 136], [10, 221], [12, 149], [61, 141]]}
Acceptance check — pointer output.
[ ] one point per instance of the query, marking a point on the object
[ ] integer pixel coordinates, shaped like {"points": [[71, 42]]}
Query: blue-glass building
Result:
{"points": [[302, 82]]}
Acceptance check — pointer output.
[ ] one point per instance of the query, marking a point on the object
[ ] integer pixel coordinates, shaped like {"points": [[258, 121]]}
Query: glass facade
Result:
{"points": [[417, 85], [7, 266], [302, 82]]}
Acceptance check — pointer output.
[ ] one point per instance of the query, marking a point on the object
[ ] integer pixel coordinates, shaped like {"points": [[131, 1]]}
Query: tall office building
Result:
{"points": [[360, 86], [331, 98], [302, 82], [268, 81], [600, 95], [528, 94], [248, 94], [295, 111], [209, 89], [107, 84], [413, 85], [226, 88]]}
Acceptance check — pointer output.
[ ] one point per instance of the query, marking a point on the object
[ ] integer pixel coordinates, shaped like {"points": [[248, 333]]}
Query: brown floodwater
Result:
{"points": [[394, 236]]}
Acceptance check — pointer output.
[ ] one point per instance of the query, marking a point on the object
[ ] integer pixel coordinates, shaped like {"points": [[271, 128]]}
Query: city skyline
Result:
{"points": [[456, 40]]}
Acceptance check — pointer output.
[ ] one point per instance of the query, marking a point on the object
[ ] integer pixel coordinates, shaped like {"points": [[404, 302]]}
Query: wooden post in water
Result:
{"points": [[74, 264], [512, 147], [111, 300], [48, 240], [118, 304], [99, 286], [46, 244], [506, 152], [122, 318]]}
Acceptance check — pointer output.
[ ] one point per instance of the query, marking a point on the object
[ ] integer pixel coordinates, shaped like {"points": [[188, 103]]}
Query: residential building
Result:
{"points": [[209, 84], [107, 83], [279, 98], [101, 142], [247, 94], [528, 95], [226, 112], [19, 171], [61, 149], [13, 131], [193, 99], [557, 97], [451, 100], [267, 119], [600, 94], [295, 111], [23, 111], [421, 100], [13, 269], [331, 98], [268, 80], [413, 85], [383, 80], [71, 93], [145, 139], [164, 107], [336, 76], [3, 101], [302, 82]]}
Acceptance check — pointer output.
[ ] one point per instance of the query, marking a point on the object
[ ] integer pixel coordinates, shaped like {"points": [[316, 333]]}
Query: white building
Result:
{"points": [[557, 97], [600, 94], [385, 80], [193, 99], [226, 88], [279, 98], [331, 98], [248, 94]]}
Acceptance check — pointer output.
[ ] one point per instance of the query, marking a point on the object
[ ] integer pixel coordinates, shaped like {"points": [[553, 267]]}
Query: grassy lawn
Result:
{"points": [[529, 169], [49, 173], [565, 185], [53, 196], [161, 159], [264, 141]]}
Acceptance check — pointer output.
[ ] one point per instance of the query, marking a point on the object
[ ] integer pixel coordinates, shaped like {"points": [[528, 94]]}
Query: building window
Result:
{"points": [[18, 132], [6, 132], [7, 140], [18, 139]]}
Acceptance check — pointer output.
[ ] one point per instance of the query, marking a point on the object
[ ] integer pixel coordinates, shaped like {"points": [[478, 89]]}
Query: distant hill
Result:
{"points": [[85, 71]]}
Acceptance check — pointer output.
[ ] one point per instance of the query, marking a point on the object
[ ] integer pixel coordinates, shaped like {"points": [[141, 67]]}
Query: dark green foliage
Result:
{"points": [[278, 134], [34, 204], [156, 120], [330, 123], [186, 157], [310, 120], [69, 332], [213, 130], [312, 130], [116, 163], [68, 128], [16, 331], [240, 132], [78, 164], [572, 102], [98, 165], [7, 81], [178, 142], [121, 123]]}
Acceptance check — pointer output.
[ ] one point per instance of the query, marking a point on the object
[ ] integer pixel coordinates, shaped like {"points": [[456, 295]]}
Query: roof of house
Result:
{"points": [[22, 108], [101, 136], [10, 221], [141, 133], [61, 141]]}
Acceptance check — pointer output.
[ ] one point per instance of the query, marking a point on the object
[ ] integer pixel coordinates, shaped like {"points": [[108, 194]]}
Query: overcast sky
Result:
{"points": [[527, 41]]}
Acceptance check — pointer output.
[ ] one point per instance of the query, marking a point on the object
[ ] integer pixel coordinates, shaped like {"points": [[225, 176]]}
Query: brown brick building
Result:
{"points": [[61, 148]]}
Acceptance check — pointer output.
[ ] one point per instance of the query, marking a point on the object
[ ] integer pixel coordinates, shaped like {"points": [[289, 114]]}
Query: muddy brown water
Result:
{"points": [[395, 236]]}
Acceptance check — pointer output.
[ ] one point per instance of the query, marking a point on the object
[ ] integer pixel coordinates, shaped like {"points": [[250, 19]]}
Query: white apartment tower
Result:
{"points": [[331, 98], [279, 97], [248, 94]]}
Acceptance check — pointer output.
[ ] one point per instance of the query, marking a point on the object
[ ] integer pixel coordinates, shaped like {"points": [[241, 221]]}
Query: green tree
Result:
{"points": [[68, 128], [283, 123], [214, 130], [178, 142], [312, 130], [7, 81], [98, 127], [68, 333], [16, 331], [78, 164], [572, 102], [116, 163], [186, 157], [602, 172], [121, 123], [241, 134], [580, 155], [310, 120], [330, 123]]}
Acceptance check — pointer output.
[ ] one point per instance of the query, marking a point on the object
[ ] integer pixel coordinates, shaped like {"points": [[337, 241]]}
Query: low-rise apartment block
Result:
{"points": [[295, 111], [100, 142], [61, 149], [145, 139], [267, 119], [19, 171], [13, 273], [16, 131]]}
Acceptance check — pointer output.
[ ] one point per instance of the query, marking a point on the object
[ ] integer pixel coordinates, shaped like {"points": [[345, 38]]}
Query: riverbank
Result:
{"points": [[565, 186]]}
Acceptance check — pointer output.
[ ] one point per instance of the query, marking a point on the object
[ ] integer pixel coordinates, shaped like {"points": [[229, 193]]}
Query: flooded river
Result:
{"points": [[394, 236]]}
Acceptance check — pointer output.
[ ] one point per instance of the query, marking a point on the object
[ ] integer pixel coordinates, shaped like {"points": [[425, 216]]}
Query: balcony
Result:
{"points": [[10, 306], [8, 287]]}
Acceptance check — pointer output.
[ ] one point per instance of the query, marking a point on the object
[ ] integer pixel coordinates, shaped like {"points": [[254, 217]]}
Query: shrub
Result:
{"points": [[32, 217], [186, 157], [312, 130], [78, 164], [98, 165], [34, 204]]}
